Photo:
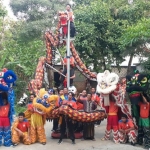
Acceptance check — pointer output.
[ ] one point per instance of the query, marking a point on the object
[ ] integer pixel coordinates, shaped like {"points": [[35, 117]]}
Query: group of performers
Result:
{"points": [[31, 131], [22, 128]]}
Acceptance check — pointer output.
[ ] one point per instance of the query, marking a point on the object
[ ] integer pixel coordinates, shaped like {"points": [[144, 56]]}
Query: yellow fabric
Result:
{"points": [[36, 120], [42, 92], [28, 115], [38, 134], [62, 97], [111, 114]]}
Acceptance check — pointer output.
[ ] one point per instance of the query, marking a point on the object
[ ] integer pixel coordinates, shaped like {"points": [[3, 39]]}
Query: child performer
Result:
{"points": [[126, 130], [21, 129]]}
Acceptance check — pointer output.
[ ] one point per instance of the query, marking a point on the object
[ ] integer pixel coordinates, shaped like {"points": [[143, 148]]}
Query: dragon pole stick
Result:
{"points": [[55, 69]]}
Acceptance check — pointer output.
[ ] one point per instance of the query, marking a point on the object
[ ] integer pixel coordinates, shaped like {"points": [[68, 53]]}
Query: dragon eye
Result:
{"points": [[144, 80]]}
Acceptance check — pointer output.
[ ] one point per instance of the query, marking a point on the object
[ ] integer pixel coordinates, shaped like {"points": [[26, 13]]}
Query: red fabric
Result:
{"points": [[23, 126], [144, 110], [135, 95], [30, 106], [4, 122], [124, 126], [79, 105], [71, 103], [4, 110], [113, 108], [96, 98], [112, 121]]}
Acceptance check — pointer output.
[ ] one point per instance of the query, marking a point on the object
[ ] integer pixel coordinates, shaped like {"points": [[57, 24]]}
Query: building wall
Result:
{"points": [[80, 81]]}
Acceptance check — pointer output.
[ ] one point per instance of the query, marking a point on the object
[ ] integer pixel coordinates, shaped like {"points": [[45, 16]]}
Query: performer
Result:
{"points": [[95, 96], [72, 76], [66, 122], [112, 120], [144, 123], [126, 130], [88, 106], [82, 96], [57, 122], [32, 96], [20, 129], [5, 130], [71, 18], [65, 93]]}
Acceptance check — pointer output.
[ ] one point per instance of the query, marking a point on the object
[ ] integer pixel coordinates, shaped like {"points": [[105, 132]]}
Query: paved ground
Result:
{"points": [[80, 145]]}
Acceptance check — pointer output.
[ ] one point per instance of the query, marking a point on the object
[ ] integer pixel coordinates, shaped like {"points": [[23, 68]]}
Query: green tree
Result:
{"points": [[37, 16], [101, 25], [98, 34]]}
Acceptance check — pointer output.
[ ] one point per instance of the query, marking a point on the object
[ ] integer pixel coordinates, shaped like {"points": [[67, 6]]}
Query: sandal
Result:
{"points": [[103, 139]]}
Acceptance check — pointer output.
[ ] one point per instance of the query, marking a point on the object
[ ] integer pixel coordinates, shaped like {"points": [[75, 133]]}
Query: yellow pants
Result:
{"points": [[37, 131], [16, 138]]}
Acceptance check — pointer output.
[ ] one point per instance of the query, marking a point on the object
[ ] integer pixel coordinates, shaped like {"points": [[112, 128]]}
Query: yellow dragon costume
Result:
{"points": [[36, 114]]}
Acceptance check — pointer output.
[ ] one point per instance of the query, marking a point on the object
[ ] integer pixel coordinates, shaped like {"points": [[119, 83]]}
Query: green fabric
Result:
{"points": [[134, 92], [135, 111], [144, 122]]}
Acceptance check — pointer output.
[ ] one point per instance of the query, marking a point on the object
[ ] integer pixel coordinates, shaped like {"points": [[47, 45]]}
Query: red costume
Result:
{"points": [[5, 125], [131, 135], [112, 121]]}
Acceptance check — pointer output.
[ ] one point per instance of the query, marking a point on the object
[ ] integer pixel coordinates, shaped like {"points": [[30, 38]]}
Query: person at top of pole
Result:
{"points": [[71, 18]]}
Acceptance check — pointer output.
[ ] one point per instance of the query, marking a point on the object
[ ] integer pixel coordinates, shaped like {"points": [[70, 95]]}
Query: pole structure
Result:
{"points": [[68, 56]]}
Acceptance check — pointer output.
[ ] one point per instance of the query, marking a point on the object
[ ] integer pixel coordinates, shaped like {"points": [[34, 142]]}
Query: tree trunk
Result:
{"points": [[129, 63]]}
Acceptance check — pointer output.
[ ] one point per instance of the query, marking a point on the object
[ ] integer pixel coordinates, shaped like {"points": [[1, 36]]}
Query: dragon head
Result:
{"points": [[135, 85], [107, 83], [7, 79], [44, 102], [63, 17]]}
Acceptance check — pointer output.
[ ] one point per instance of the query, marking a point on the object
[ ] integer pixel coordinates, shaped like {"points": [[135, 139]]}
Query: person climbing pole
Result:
{"points": [[71, 18]]}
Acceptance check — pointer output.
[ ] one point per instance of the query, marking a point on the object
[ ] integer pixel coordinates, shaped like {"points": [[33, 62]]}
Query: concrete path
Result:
{"points": [[80, 145]]}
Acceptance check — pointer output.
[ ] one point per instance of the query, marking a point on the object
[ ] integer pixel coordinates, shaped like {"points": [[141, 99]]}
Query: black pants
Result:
{"points": [[70, 126], [144, 136], [55, 124], [88, 131], [72, 29]]}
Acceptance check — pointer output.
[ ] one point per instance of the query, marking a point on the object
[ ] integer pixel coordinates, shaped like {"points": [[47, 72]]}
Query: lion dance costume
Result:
{"points": [[112, 94], [7, 79], [36, 114], [137, 87]]}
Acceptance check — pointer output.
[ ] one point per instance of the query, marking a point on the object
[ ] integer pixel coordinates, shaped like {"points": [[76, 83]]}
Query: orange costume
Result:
{"points": [[22, 126], [112, 122], [131, 135]]}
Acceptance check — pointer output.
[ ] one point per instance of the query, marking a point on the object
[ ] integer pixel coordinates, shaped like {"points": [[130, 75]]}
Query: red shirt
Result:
{"points": [[4, 110], [71, 103], [144, 110], [95, 98], [113, 108], [23, 126], [127, 125]]}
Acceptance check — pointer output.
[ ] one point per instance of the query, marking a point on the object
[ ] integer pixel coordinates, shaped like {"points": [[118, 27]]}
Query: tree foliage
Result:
{"points": [[37, 16], [104, 25]]}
